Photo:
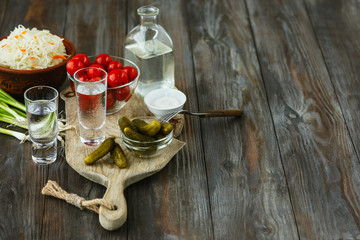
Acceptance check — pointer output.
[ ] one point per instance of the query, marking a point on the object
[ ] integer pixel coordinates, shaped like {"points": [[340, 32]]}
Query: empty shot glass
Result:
{"points": [[42, 109], [90, 89]]}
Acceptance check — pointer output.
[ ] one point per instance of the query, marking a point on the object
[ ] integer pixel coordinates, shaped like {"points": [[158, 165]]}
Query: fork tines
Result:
{"points": [[167, 117]]}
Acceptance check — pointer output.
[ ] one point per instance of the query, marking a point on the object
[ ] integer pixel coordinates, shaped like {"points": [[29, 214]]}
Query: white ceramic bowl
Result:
{"points": [[164, 100]]}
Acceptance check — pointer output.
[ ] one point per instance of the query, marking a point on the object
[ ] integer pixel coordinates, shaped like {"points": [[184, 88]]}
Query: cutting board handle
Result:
{"points": [[113, 219]]}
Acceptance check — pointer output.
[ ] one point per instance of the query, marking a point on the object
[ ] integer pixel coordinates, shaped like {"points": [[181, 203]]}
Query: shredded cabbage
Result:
{"points": [[26, 49]]}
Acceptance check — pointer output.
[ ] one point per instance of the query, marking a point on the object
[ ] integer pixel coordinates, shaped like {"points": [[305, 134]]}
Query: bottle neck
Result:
{"points": [[148, 15], [147, 20]]}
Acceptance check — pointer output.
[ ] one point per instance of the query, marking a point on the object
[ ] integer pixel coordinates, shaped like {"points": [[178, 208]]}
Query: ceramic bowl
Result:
{"points": [[16, 82], [164, 100]]}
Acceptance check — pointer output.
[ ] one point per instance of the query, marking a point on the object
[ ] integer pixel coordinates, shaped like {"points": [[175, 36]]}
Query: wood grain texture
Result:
{"points": [[41, 14], [287, 169], [3, 8], [318, 156], [24, 215], [248, 192], [338, 35], [97, 26], [94, 27], [21, 213], [173, 204]]}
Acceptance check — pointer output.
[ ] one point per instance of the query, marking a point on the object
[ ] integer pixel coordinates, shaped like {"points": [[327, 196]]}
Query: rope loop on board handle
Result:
{"points": [[52, 188]]}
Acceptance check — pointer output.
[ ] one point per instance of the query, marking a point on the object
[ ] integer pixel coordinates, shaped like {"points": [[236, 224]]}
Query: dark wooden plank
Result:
{"points": [[21, 180], [338, 36], [21, 212], [97, 26], [173, 204], [247, 187], [94, 27], [320, 163], [3, 8], [34, 13]]}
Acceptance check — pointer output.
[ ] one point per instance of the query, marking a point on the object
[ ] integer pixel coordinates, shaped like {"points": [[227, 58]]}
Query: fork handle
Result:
{"points": [[222, 113]]}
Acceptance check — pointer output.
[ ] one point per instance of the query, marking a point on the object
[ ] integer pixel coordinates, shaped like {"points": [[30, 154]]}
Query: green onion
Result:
{"points": [[9, 119], [12, 112], [18, 135], [46, 125], [6, 98], [18, 118], [21, 113]]}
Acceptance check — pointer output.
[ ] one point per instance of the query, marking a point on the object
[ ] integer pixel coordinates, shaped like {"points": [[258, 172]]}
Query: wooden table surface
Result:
{"points": [[288, 169]]}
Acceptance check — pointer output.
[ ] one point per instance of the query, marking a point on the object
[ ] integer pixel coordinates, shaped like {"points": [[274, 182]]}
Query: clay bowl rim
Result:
{"points": [[28, 72]]}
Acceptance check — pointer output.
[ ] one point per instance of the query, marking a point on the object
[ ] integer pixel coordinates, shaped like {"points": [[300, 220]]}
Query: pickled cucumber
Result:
{"points": [[153, 128], [166, 128], [159, 136], [125, 122], [150, 129], [137, 136], [118, 156], [104, 148], [138, 123]]}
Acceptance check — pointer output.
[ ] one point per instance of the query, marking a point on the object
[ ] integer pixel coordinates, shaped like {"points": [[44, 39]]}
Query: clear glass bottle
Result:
{"points": [[150, 47]]}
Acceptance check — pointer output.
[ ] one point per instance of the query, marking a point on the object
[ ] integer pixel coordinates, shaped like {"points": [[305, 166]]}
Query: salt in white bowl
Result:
{"points": [[164, 100]]}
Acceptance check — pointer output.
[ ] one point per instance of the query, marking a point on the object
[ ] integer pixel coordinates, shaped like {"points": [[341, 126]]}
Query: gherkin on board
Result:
{"points": [[104, 148]]}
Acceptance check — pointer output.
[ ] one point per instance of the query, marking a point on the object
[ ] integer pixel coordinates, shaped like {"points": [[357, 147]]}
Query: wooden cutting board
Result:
{"points": [[104, 171]]}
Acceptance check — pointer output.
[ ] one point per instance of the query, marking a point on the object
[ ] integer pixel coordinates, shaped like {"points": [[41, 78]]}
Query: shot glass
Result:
{"points": [[42, 109], [90, 89]]}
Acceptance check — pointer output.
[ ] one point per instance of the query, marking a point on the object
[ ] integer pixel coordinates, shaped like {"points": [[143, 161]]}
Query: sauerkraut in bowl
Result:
{"points": [[29, 57], [31, 49]]}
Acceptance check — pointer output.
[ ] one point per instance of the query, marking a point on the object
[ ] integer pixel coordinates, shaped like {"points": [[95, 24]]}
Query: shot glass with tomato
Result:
{"points": [[90, 90]]}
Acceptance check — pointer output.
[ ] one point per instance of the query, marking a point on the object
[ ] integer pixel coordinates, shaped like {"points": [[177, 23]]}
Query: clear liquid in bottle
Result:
{"points": [[156, 66], [150, 47]]}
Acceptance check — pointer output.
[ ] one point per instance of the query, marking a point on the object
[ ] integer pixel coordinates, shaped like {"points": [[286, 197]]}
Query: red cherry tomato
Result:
{"points": [[94, 79], [131, 72], [83, 78], [103, 59], [83, 101], [82, 58], [97, 66], [114, 65], [80, 73], [88, 102], [121, 94], [73, 65], [93, 72], [94, 101], [117, 78], [110, 98]]}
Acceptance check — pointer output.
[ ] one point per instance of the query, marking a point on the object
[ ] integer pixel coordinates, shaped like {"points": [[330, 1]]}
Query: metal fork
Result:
{"points": [[210, 113]]}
